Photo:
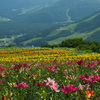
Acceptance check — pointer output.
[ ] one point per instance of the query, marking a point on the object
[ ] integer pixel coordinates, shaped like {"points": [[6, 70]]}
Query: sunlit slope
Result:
{"points": [[87, 28]]}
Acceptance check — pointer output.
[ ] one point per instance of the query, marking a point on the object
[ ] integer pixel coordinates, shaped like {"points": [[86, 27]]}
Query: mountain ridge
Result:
{"points": [[29, 21]]}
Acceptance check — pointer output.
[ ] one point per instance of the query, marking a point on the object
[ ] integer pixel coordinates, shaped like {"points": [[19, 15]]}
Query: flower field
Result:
{"points": [[49, 74]]}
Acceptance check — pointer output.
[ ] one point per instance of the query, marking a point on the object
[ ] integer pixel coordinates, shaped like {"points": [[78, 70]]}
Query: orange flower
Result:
{"points": [[4, 98], [91, 93]]}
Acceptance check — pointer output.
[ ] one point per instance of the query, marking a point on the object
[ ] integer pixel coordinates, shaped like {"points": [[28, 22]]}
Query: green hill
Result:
{"points": [[87, 28], [29, 21]]}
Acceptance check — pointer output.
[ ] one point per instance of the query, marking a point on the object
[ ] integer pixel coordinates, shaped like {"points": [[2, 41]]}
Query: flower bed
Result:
{"points": [[50, 79]]}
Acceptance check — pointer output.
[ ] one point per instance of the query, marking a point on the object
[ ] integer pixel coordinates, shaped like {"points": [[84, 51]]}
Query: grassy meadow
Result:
{"points": [[49, 74]]}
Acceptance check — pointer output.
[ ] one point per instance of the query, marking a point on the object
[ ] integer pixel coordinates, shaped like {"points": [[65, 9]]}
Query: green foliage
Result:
{"points": [[46, 45], [78, 43]]}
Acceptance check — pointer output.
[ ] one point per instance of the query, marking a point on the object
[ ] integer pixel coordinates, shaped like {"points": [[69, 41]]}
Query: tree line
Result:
{"points": [[79, 43]]}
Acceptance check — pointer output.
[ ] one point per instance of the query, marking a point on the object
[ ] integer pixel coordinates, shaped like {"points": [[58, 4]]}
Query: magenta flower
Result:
{"points": [[23, 84], [25, 64], [68, 63], [1, 69], [1, 81], [40, 84], [90, 64], [87, 78], [16, 66], [13, 67], [70, 87], [65, 89], [19, 66], [51, 62], [20, 85], [80, 62], [51, 69], [98, 62]]}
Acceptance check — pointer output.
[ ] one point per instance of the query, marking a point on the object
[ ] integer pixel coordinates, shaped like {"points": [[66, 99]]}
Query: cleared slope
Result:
{"points": [[88, 29]]}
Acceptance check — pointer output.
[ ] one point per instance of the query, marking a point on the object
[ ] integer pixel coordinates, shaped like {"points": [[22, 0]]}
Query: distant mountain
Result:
{"points": [[45, 11], [64, 11], [16, 8], [22, 21], [87, 28]]}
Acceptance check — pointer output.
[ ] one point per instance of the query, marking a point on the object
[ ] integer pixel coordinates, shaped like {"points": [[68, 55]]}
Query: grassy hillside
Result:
{"points": [[37, 13], [87, 28]]}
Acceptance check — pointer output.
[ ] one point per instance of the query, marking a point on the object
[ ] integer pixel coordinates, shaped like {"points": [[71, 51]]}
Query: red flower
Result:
{"points": [[19, 85], [16, 66], [39, 84], [25, 64], [68, 88], [91, 93], [1, 69], [80, 62], [65, 89], [4, 98]]}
